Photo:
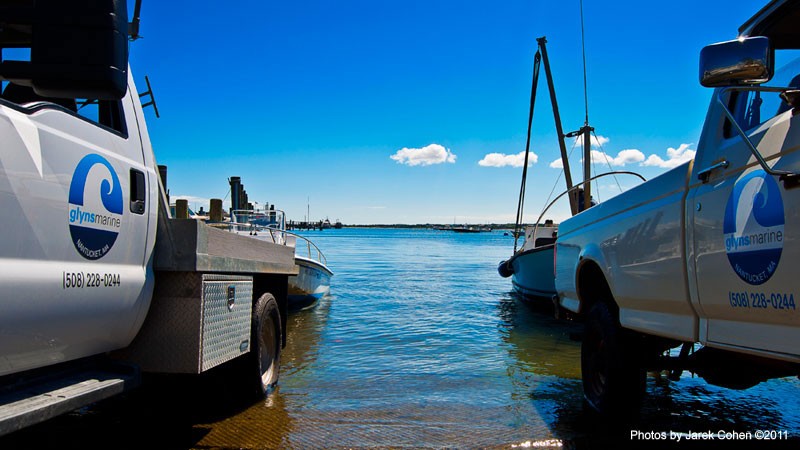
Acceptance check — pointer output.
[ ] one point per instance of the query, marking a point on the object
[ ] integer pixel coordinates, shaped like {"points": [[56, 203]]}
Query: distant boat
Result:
{"points": [[313, 280], [466, 229], [338, 225]]}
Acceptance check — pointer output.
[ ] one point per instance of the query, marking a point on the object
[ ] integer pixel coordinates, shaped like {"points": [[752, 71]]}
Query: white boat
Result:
{"points": [[531, 267], [313, 280]]}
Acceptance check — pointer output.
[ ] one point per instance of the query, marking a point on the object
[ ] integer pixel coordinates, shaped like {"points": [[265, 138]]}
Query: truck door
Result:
{"points": [[743, 225], [72, 259]]}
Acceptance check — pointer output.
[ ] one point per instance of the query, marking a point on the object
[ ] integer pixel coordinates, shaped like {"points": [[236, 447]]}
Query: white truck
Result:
{"points": [[98, 282], [702, 257]]}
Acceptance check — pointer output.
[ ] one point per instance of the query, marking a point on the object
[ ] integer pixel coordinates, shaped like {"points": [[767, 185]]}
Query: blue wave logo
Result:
{"points": [[753, 227], [94, 230]]}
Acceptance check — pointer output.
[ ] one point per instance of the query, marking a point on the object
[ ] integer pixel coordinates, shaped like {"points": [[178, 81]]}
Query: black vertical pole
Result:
{"points": [[557, 116]]}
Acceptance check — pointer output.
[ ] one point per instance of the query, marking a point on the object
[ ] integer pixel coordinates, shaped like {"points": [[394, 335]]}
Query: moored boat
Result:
{"points": [[531, 267], [465, 229], [313, 280]]}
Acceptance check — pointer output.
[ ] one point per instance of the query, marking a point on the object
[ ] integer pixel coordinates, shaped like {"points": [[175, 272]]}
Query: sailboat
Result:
{"points": [[531, 267]]}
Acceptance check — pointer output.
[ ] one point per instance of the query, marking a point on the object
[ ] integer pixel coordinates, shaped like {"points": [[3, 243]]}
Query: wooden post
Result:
{"points": [[181, 208], [216, 210], [162, 173]]}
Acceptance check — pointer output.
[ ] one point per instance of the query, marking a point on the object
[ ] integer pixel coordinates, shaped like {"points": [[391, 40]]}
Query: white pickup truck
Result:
{"points": [[701, 257], [97, 281]]}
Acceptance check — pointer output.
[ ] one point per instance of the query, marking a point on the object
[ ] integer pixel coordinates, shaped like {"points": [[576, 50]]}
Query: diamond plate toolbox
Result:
{"points": [[227, 308], [196, 321]]}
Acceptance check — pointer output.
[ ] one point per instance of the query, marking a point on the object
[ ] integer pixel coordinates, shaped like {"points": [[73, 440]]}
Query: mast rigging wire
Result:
{"points": [[558, 178], [536, 63]]}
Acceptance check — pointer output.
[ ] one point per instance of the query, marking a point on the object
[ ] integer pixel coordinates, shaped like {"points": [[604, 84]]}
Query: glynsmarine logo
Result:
{"points": [[94, 230], [754, 227]]}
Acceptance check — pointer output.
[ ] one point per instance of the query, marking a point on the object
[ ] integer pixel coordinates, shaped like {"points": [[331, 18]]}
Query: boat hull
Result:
{"points": [[533, 272], [312, 282]]}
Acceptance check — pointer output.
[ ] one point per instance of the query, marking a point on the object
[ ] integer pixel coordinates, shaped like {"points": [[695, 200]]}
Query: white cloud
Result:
{"points": [[597, 141], [193, 200], [425, 156], [502, 160], [675, 157], [629, 156]]}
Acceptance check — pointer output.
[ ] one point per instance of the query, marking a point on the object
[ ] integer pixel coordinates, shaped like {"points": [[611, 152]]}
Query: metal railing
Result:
{"points": [[311, 248], [273, 218], [274, 224], [575, 188]]}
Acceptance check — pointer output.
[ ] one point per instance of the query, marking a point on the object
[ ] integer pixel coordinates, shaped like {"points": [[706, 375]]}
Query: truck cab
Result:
{"points": [[75, 179], [99, 282], [701, 257], [743, 203]]}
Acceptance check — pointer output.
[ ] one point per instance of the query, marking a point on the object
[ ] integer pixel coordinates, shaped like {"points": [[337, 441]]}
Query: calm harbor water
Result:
{"points": [[420, 344]]}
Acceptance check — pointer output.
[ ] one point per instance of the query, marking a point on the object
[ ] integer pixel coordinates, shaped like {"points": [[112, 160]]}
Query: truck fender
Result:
{"points": [[592, 281]]}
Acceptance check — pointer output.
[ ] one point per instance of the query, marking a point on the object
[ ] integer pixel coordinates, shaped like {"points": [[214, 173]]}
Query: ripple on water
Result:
{"points": [[419, 345]]}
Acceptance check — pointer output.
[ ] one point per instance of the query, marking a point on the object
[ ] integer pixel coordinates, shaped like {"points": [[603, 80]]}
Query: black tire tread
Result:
{"points": [[619, 365]]}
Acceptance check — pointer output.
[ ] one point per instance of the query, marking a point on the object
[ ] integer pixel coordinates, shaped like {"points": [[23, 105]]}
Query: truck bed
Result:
{"points": [[186, 245]]}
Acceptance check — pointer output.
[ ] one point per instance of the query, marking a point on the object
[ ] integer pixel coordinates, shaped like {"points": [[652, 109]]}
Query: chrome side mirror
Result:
{"points": [[741, 62]]}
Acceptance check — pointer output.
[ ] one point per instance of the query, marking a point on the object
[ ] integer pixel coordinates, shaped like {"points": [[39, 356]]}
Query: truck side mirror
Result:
{"points": [[739, 62], [79, 49]]}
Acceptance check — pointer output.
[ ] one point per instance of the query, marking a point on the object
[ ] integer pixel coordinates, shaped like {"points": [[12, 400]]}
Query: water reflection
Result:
{"points": [[546, 367], [539, 343], [189, 411], [166, 412], [269, 424], [421, 345]]}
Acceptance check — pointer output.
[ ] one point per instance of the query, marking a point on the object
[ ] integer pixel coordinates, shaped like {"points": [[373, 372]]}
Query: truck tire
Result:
{"points": [[267, 342], [611, 369], [258, 370]]}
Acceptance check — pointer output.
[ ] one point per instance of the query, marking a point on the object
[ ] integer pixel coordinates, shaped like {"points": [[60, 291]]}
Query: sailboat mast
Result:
{"points": [[573, 203]]}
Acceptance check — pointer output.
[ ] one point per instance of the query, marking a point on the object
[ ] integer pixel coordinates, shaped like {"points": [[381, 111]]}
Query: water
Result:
{"points": [[420, 344]]}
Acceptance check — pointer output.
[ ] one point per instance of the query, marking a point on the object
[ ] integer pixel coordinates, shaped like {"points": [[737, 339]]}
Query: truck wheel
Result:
{"points": [[613, 376], [259, 368]]}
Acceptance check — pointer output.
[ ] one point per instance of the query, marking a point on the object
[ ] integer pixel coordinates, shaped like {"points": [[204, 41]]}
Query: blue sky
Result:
{"points": [[318, 99]]}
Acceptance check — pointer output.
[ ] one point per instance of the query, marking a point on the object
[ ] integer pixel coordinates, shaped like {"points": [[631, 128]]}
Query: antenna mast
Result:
{"points": [[586, 130], [133, 25]]}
